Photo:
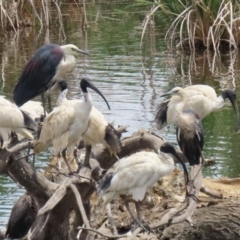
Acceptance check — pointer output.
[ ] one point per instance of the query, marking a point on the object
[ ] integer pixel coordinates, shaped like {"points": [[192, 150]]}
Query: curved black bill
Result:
{"points": [[168, 148], [235, 106], [233, 100], [87, 83]]}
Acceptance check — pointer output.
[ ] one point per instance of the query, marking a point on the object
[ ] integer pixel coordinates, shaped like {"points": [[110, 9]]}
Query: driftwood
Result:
{"points": [[64, 202]]}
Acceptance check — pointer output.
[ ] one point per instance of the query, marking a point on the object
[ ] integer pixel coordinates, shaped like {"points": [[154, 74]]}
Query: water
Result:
{"points": [[132, 79]]}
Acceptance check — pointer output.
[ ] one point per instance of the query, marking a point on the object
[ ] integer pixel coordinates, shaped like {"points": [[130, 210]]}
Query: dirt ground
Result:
{"points": [[164, 195]]}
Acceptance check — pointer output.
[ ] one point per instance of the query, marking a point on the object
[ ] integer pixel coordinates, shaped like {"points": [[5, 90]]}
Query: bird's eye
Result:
{"points": [[73, 49]]}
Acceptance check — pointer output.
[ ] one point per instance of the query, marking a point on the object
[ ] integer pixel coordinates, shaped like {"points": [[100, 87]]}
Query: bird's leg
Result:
{"points": [[139, 217], [134, 219], [28, 152], [87, 157], [66, 161], [110, 218], [188, 193], [43, 103], [59, 162], [186, 182], [34, 159], [1, 142], [194, 172], [204, 162], [49, 103]]}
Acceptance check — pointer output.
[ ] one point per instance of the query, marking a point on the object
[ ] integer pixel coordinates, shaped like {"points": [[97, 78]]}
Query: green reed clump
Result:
{"points": [[202, 24]]}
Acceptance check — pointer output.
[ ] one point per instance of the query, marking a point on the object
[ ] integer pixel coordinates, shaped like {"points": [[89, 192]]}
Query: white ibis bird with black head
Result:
{"points": [[13, 119], [135, 174], [64, 126], [49, 64], [98, 131], [190, 134], [201, 99]]}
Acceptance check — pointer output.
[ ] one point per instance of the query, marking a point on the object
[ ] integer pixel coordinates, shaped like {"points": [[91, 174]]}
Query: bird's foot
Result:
{"points": [[144, 226], [87, 165], [84, 165], [193, 197]]}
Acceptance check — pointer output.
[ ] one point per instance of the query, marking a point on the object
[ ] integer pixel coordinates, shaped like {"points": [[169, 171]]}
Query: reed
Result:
{"points": [[24, 13], [202, 24]]}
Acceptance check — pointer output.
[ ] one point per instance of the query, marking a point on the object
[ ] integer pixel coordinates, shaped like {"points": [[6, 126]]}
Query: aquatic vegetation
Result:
{"points": [[203, 24], [24, 13]]}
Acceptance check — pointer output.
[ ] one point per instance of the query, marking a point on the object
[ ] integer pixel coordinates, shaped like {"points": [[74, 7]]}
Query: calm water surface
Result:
{"points": [[131, 79]]}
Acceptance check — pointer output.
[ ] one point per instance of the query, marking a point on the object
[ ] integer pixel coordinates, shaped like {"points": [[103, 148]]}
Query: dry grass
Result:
{"points": [[23, 13], [202, 24]]}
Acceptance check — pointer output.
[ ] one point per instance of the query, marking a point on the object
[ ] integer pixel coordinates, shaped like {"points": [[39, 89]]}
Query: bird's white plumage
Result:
{"points": [[135, 174], [11, 119], [34, 109], [68, 61], [66, 65], [208, 92], [196, 100], [64, 126], [96, 127]]}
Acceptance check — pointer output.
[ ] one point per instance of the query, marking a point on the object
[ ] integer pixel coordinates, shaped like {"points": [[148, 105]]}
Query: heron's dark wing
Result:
{"points": [[161, 116], [37, 73]]}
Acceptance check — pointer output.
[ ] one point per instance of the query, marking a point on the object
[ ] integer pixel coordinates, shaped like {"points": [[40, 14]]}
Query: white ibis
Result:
{"points": [[49, 64], [135, 174], [13, 119], [201, 99], [190, 134], [23, 215], [98, 131], [64, 126]]}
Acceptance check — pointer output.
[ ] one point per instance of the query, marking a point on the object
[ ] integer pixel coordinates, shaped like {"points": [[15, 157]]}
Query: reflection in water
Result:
{"points": [[131, 79]]}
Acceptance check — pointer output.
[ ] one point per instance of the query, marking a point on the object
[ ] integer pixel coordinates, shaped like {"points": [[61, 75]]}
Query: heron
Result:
{"points": [[189, 132], [98, 131], [64, 126], [13, 119], [201, 99], [135, 174], [23, 215], [48, 65]]}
